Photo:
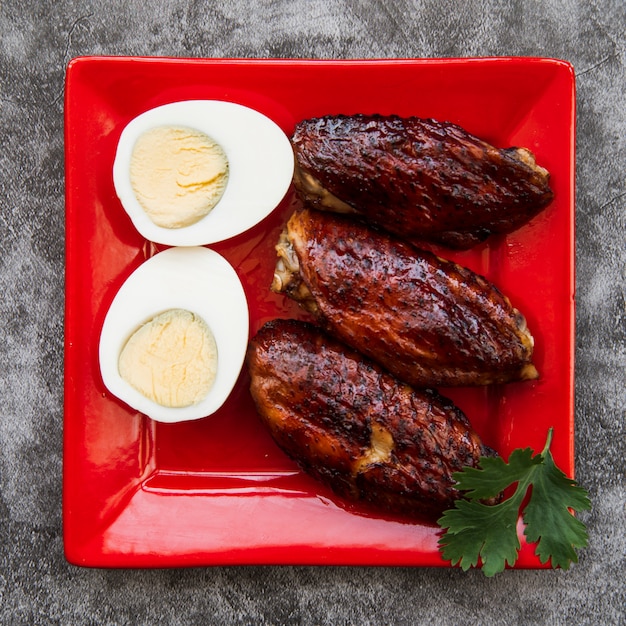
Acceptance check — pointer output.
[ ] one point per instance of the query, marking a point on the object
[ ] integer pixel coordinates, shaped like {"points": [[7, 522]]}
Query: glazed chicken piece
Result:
{"points": [[355, 427], [417, 178], [428, 321]]}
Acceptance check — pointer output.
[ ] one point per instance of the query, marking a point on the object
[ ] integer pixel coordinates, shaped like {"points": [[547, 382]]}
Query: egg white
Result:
{"points": [[193, 278], [260, 160]]}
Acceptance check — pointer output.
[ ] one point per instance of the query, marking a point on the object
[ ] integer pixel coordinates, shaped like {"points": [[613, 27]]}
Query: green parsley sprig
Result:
{"points": [[475, 531]]}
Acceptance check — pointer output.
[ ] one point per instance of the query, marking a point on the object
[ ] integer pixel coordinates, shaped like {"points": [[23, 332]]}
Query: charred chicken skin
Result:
{"points": [[355, 427], [428, 321], [417, 178]]}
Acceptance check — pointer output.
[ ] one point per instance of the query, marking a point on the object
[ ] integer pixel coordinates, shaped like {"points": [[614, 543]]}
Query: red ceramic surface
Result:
{"points": [[217, 490]]}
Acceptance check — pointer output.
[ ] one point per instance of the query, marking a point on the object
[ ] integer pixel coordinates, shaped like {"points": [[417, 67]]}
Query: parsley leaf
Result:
{"points": [[475, 531]]}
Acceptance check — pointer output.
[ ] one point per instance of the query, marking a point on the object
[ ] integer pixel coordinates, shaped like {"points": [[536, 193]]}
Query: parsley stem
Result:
{"points": [[546, 448]]}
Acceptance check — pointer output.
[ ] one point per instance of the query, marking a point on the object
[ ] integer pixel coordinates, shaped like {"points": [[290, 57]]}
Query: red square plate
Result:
{"points": [[217, 490]]}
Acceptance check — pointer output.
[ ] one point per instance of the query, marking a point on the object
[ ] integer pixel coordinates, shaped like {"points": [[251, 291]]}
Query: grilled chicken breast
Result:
{"points": [[417, 178], [355, 427], [428, 321]]}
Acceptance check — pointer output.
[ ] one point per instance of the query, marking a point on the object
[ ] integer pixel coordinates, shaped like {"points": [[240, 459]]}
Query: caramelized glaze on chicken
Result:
{"points": [[355, 427], [417, 178], [428, 321]]}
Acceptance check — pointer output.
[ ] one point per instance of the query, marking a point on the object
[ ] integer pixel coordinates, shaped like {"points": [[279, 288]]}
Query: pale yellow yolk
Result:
{"points": [[178, 175], [172, 359]]}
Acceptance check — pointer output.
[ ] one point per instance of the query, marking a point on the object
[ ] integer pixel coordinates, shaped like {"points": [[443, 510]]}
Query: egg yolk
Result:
{"points": [[171, 360], [178, 175]]}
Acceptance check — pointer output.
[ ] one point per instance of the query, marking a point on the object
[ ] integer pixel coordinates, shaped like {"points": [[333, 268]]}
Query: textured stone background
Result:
{"points": [[37, 39]]}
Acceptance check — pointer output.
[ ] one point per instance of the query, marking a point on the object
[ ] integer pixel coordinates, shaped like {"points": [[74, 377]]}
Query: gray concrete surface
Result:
{"points": [[37, 39]]}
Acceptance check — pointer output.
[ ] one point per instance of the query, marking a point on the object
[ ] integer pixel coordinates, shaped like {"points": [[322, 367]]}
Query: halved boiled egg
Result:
{"points": [[174, 339], [200, 171]]}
